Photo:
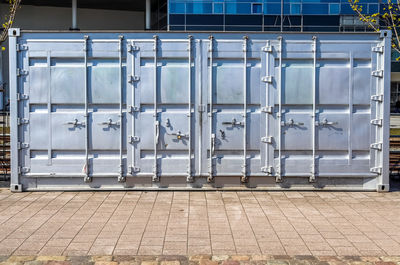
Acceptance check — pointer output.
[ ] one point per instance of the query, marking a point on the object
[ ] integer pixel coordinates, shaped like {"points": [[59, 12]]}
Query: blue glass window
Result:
{"points": [[272, 9], [315, 9], [218, 8], [295, 9], [373, 8], [346, 9], [334, 9], [257, 8], [177, 8], [236, 8], [198, 8]]}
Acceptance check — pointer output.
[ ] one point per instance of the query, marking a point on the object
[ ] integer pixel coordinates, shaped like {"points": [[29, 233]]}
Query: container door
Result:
{"points": [[236, 96], [160, 123]]}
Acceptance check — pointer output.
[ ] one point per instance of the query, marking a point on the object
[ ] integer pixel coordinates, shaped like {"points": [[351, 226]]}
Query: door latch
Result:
{"points": [[291, 123], [110, 123], [325, 122], [75, 123], [233, 122]]}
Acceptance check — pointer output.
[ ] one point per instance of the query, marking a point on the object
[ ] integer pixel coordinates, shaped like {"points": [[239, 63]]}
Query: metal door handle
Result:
{"points": [[157, 131], [291, 123], [110, 123], [75, 123], [233, 122], [212, 144], [325, 122], [179, 135]]}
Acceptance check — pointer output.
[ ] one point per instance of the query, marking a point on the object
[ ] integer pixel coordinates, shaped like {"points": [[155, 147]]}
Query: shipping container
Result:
{"points": [[155, 110]]}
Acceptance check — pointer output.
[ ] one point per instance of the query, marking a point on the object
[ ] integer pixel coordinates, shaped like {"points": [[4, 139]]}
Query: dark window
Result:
{"points": [[204, 20], [257, 8], [176, 19], [321, 20], [243, 20], [205, 28]]}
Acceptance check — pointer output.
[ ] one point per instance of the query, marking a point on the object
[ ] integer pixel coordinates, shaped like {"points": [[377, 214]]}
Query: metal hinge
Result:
{"points": [[378, 49], [22, 145], [268, 170], [376, 170], [132, 48], [266, 79], [267, 48], [22, 47], [377, 122], [134, 139], [268, 109], [21, 121], [377, 146], [23, 170], [22, 96], [21, 72], [134, 170], [134, 78], [132, 109], [377, 73], [267, 139], [377, 98], [202, 108]]}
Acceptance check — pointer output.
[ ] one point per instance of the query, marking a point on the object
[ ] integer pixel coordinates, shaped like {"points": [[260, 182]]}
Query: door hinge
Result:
{"points": [[22, 96], [133, 170], [134, 78], [22, 145], [134, 139], [268, 170], [267, 48], [21, 72], [378, 49], [22, 47], [202, 108], [377, 146], [377, 73], [377, 98], [23, 170], [377, 170], [21, 121], [267, 139], [132, 109], [268, 109], [377, 122], [266, 79], [133, 48]]}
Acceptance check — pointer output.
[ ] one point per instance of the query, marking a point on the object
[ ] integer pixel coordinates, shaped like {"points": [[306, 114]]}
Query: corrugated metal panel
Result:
{"points": [[137, 110]]}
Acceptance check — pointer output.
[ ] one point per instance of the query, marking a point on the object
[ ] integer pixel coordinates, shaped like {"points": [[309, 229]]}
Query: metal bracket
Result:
{"points": [[311, 178], [202, 108], [266, 79], [16, 188], [189, 178], [22, 47], [378, 49], [22, 145], [134, 139], [121, 179], [377, 122], [377, 146], [134, 78], [278, 178], [87, 179], [21, 121], [132, 109], [22, 170], [267, 48], [268, 109], [269, 170], [22, 96], [377, 170], [132, 48], [377, 73], [21, 72], [133, 170], [267, 139], [377, 98]]}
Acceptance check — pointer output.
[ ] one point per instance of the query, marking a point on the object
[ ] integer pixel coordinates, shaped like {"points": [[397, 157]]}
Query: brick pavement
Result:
{"points": [[192, 223]]}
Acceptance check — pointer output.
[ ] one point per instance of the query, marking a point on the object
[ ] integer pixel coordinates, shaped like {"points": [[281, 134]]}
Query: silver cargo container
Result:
{"points": [[141, 110]]}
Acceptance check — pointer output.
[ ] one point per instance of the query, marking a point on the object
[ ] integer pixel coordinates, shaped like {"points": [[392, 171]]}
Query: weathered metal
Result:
{"points": [[140, 110]]}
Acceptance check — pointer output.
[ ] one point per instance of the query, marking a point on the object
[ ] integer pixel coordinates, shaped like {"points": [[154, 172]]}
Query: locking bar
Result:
{"points": [[21, 47], [210, 113], [86, 167], [377, 170], [314, 111], [378, 48], [268, 109], [134, 139], [377, 122], [22, 170], [378, 98], [244, 166], [121, 177], [133, 48], [22, 145], [266, 79], [267, 139], [269, 170], [377, 146], [132, 109], [133, 170], [21, 72], [156, 122], [22, 96], [377, 73], [21, 121], [134, 78], [189, 169], [278, 175]]}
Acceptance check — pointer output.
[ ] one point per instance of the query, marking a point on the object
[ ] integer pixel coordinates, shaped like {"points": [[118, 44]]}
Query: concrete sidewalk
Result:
{"points": [[190, 223]]}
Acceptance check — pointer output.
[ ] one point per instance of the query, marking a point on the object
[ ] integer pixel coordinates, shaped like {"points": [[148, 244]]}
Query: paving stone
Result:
{"points": [[20, 258], [47, 258], [220, 257]]}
